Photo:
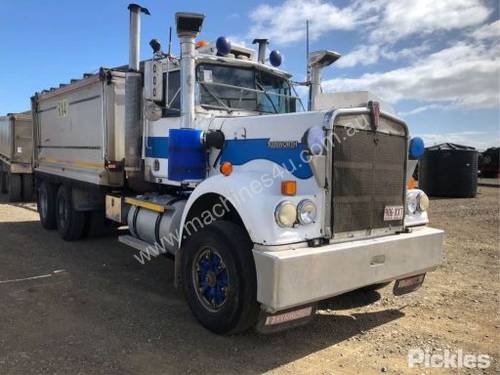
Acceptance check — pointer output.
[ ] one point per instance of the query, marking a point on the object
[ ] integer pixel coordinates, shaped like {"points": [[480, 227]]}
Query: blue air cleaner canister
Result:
{"points": [[186, 155]]}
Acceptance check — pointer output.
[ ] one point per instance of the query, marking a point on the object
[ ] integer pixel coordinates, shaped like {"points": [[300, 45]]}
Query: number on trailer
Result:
{"points": [[62, 108]]}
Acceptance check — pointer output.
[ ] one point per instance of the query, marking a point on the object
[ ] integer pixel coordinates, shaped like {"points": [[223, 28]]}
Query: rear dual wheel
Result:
{"points": [[14, 187], [70, 223]]}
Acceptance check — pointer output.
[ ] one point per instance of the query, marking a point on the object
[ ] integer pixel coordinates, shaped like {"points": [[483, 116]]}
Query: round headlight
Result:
{"points": [[411, 203], [306, 212], [315, 139], [285, 214], [423, 202]]}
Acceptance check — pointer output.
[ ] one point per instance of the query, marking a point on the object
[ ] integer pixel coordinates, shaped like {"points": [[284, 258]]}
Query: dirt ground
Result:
{"points": [[95, 309]]}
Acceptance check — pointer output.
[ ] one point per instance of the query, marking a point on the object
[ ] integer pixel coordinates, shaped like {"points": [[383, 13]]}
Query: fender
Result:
{"points": [[254, 196]]}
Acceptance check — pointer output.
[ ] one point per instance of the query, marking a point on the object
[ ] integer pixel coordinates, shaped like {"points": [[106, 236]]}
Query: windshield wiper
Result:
{"points": [[267, 96], [223, 105]]}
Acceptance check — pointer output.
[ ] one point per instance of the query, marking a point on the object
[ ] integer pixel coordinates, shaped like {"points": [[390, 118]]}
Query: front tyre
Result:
{"points": [[219, 278]]}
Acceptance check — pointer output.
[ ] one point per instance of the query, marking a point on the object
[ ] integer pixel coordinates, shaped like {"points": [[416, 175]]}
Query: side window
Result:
{"points": [[173, 100]]}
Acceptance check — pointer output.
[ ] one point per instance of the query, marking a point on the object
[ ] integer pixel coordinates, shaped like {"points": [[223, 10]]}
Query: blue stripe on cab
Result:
{"points": [[241, 151], [157, 147]]}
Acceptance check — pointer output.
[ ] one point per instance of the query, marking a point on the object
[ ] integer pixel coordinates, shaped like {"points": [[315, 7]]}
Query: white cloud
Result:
{"points": [[286, 23], [363, 55], [403, 18], [384, 20], [466, 74], [425, 108], [490, 31], [371, 54]]}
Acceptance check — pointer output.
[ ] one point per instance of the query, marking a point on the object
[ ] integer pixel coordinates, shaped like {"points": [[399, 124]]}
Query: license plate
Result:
{"points": [[393, 213], [408, 285]]}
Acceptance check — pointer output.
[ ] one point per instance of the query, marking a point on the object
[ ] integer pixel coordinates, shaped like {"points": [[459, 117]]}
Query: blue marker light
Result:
{"points": [[275, 58], [223, 46], [417, 148]]}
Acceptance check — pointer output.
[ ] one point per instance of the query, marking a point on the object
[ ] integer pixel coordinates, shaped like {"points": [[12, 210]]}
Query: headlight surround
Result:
{"points": [[307, 212], [285, 214], [315, 140]]}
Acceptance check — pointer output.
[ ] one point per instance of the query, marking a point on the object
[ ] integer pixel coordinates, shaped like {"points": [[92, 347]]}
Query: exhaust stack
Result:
{"points": [[133, 93], [317, 61], [188, 27], [135, 35], [262, 49]]}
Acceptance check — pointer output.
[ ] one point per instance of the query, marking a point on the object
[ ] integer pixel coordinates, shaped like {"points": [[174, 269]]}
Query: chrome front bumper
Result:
{"points": [[296, 277]]}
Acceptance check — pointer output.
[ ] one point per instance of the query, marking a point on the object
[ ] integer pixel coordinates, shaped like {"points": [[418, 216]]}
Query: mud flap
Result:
{"points": [[408, 285], [286, 319]]}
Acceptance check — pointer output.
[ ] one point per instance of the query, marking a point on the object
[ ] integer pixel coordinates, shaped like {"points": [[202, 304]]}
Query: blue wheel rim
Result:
{"points": [[211, 279]]}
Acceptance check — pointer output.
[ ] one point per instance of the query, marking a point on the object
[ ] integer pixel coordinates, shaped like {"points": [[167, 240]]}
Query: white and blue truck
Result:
{"points": [[210, 157]]}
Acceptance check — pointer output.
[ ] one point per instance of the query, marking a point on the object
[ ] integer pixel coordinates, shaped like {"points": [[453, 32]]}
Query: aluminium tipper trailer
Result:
{"points": [[78, 130], [16, 148]]}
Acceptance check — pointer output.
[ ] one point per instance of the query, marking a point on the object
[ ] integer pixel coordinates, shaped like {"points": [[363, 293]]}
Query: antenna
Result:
{"points": [[308, 71], [169, 42]]}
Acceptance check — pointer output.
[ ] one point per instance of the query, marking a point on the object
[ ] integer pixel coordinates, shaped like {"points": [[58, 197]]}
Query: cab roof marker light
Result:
{"points": [[416, 149]]}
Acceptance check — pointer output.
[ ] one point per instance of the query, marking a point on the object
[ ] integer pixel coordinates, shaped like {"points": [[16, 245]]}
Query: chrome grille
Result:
{"points": [[368, 175]]}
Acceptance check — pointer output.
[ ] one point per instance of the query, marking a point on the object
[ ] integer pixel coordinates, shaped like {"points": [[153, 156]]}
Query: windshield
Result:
{"points": [[235, 88]]}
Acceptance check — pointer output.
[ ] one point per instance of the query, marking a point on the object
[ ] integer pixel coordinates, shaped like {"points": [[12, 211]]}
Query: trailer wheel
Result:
{"points": [[27, 190], [46, 202], [219, 278], [3, 182], [70, 223], [14, 187]]}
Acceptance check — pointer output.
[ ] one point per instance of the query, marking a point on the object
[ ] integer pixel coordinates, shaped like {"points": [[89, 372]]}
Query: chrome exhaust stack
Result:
{"points": [[188, 27], [262, 49], [317, 61], [133, 96]]}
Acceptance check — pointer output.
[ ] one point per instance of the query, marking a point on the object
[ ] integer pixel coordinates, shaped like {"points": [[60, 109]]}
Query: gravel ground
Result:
{"points": [[95, 309]]}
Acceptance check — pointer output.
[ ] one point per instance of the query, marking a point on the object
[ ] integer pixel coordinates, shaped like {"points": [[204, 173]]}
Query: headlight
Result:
{"points": [[306, 212], [315, 140], [416, 200], [285, 214], [423, 201]]}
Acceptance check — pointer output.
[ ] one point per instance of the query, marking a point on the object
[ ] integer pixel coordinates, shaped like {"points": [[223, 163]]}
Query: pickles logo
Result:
{"points": [[447, 359]]}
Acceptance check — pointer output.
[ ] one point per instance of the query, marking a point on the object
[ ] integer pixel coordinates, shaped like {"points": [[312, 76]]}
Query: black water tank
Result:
{"points": [[449, 170]]}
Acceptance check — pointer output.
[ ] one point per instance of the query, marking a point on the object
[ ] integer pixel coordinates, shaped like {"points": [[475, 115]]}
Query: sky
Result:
{"points": [[437, 62]]}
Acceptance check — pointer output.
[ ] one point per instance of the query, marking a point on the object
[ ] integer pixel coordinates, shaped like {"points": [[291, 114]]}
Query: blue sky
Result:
{"points": [[436, 62]]}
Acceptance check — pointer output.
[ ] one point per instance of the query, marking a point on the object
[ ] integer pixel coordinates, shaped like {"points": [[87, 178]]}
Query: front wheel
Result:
{"points": [[219, 278]]}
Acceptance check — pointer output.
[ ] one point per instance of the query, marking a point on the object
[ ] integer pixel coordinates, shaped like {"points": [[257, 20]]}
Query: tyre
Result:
{"points": [[14, 187], [3, 182], [219, 278], [27, 190], [70, 223], [46, 202]]}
